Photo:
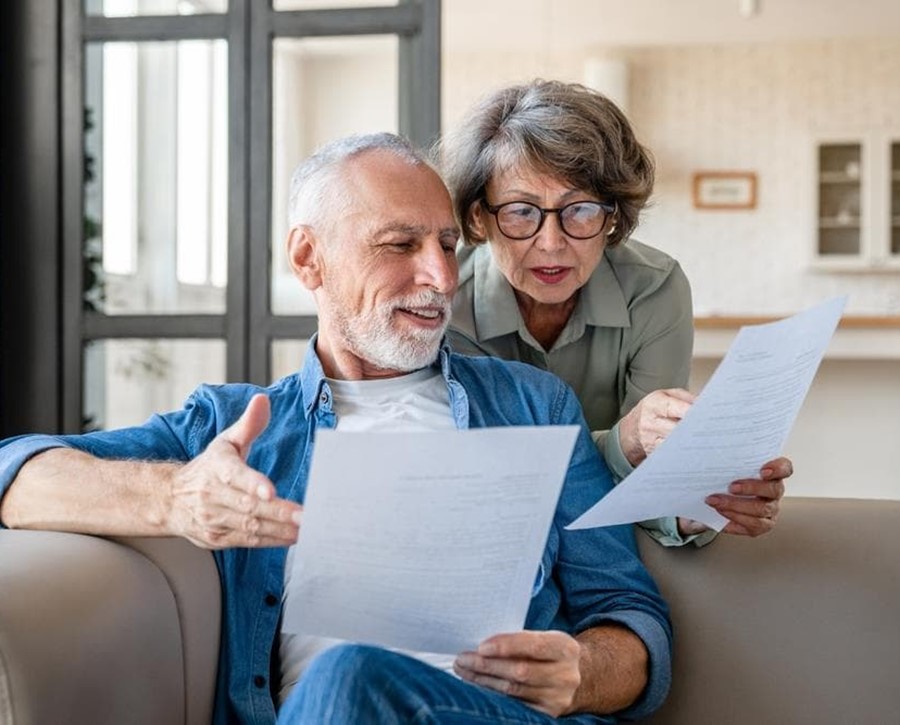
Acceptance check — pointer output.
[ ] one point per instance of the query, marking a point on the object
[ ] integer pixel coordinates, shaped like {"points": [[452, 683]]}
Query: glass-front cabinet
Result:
{"points": [[895, 198], [857, 206]]}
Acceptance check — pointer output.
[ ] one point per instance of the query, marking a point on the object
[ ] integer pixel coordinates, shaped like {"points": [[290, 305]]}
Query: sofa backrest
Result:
{"points": [[799, 626]]}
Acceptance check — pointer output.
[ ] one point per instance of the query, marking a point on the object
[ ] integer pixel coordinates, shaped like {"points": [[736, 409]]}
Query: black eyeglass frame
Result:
{"points": [[494, 210]]}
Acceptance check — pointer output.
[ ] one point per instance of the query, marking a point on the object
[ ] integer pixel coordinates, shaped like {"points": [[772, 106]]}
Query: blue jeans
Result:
{"points": [[360, 684]]}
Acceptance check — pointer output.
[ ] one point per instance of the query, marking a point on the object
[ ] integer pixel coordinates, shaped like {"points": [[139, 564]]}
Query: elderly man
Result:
{"points": [[373, 236]]}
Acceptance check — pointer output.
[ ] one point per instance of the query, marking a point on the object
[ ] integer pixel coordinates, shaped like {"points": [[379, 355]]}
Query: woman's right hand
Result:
{"points": [[649, 422]]}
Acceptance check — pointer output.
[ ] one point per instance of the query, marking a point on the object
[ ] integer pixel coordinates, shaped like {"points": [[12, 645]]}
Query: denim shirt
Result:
{"points": [[585, 578]]}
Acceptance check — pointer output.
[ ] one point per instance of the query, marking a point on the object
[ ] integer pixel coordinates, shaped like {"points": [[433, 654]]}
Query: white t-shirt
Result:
{"points": [[415, 402]]}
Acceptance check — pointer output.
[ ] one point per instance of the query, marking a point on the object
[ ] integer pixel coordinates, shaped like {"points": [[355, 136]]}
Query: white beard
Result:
{"points": [[374, 338]]}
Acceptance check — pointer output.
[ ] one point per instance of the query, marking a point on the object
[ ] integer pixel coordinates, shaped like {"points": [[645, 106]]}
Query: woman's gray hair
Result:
{"points": [[316, 192], [565, 130]]}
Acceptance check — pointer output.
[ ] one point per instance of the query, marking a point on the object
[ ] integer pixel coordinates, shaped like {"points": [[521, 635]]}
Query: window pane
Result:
{"points": [[130, 8], [840, 169], [319, 4], [287, 357], [125, 381], [156, 157], [323, 88]]}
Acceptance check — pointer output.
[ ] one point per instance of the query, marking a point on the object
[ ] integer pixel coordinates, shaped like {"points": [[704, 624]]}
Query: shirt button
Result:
{"points": [[271, 600], [259, 681], [323, 398]]}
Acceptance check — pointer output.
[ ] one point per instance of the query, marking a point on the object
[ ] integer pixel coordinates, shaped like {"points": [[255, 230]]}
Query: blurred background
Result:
{"points": [[148, 144]]}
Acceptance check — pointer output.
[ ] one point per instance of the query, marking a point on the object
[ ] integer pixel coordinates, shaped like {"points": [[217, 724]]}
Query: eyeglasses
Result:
{"points": [[522, 219]]}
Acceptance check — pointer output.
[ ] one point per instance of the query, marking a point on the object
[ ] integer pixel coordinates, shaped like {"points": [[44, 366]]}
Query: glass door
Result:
{"points": [[182, 121], [349, 68]]}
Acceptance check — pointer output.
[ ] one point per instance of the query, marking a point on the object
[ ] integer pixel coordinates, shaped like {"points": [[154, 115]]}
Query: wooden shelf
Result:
{"points": [[850, 322], [858, 337], [837, 177], [832, 222]]}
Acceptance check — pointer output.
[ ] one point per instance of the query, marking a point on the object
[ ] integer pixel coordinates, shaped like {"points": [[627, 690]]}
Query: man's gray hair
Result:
{"points": [[314, 189]]}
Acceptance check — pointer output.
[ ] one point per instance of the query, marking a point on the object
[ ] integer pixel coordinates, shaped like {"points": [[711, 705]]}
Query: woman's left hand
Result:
{"points": [[751, 505]]}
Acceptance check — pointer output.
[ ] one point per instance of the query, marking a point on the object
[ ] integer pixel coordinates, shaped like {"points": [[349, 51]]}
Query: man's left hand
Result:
{"points": [[751, 505], [539, 668]]}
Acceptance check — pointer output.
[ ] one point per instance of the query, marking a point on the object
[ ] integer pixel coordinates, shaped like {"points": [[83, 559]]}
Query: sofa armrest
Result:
{"points": [[194, 580], [102, 631]]}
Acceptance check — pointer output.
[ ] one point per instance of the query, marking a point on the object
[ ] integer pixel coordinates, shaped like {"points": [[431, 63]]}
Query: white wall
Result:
{"points": [[846, 440], [758, 108]]}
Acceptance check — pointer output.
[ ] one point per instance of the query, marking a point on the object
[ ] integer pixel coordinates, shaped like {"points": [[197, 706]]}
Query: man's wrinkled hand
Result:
{"points": [[539, 668], [218, 501]]}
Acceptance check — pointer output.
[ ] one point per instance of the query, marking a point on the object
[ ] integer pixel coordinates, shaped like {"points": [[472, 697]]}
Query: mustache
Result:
{"points": [[425, 298]]}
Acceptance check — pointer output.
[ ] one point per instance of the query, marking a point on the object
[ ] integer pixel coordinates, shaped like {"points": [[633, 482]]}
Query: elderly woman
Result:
{"points": [[548, 181]]}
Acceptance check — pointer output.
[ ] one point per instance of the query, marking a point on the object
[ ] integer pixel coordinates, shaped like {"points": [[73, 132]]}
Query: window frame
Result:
{"points": [[248, 325]]}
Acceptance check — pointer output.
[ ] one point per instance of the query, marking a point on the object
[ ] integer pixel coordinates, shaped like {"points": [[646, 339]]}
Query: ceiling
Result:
{"points": [[551, 25]]}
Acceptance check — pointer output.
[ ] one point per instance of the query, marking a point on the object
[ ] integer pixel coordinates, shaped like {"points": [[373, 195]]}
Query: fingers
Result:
{"points": [[689, 527], [769, 490], [729, 506], [545, 645], [238, 507], [672, 403], [247, 428], [651, 421], [779, 468], [274, 524], [750, 515], [680, 394], [550, 699], [216, 515], [748, 525], [230, 469], [219, 501], [541, 668]]}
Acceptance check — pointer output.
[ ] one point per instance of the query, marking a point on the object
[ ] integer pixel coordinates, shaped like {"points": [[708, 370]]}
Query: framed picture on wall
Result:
{"points": [[724, 190]]}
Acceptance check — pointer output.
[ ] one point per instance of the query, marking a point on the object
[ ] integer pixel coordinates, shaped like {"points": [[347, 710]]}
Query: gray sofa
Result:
{"points": [[801, 626]]}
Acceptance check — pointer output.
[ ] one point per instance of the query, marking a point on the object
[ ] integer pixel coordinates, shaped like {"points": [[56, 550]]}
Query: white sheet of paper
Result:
{"points": [[739, 421], [425, 541]]}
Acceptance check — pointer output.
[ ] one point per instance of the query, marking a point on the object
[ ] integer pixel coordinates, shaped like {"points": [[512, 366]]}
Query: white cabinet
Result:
{"points": [[857, 205]]}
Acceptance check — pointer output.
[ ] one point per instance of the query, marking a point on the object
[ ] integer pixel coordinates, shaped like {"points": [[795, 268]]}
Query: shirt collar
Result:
{"points": [[496, 310], [601, 304], [312, 378], [314, 385], [602, 300]]}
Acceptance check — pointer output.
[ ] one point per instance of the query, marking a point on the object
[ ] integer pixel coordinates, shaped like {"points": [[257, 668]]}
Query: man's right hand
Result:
{"points": [[218, 501]]}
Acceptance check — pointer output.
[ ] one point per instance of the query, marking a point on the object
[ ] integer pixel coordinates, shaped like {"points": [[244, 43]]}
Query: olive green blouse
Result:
{"points": [[631, 333]]}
